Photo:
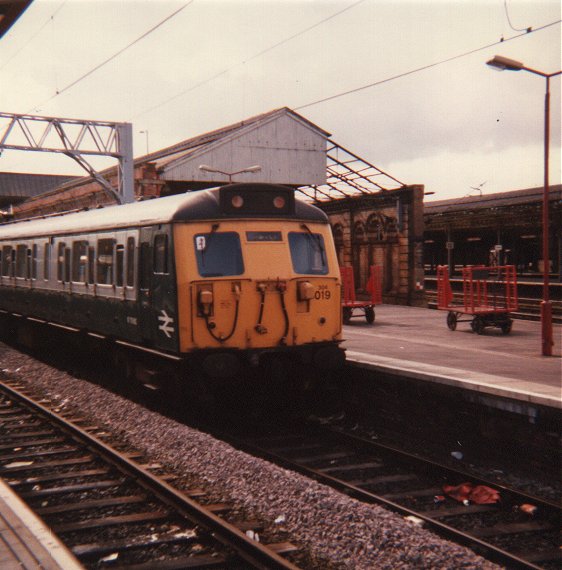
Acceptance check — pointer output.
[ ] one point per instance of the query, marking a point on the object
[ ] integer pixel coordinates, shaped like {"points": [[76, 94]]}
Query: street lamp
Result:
{"points": [[205, 168], [146, 135], [504, 63]]}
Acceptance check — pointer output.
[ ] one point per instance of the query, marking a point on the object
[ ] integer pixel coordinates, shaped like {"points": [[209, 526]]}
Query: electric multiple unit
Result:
{"points": [[221, 277]]}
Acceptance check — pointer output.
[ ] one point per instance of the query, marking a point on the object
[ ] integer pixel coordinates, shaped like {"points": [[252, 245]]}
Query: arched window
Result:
{"points": [[337, 232], [359, 232], [375, 228]]}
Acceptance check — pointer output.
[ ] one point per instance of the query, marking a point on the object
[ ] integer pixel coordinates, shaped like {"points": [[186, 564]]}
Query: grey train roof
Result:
{"points": [[199, 205]]}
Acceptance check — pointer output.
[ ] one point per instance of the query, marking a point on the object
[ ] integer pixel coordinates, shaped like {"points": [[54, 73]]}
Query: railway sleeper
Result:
{"points": [[148, 516]]}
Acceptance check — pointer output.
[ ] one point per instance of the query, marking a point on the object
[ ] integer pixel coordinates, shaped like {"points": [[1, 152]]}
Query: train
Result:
{"points": [[211, 282]]}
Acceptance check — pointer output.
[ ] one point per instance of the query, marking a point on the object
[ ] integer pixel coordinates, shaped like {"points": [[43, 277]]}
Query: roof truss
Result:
{"points": [[348, 176]]}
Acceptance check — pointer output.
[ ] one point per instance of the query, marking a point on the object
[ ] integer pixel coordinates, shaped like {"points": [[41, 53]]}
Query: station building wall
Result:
{"points": [[384, 229]]}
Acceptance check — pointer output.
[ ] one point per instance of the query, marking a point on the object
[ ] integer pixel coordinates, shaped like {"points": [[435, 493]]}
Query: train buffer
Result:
{"points": [[350, 302], [489, 295]]}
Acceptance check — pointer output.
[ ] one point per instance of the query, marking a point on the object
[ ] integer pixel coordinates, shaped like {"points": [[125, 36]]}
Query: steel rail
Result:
{"points": [[251, 551], [494, 553]]}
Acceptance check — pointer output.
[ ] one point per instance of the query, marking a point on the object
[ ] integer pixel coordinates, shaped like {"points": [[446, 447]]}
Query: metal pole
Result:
{"points": [[546, 305]]}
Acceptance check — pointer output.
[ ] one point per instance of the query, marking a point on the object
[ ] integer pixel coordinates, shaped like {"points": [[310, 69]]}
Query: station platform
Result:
{"points": [[25, 542], [416, 343]]}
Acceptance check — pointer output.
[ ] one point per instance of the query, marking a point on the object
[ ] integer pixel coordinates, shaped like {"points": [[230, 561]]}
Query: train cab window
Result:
{"points": [[219, 254], [308, 253], [21, 261], [130, 262], [79, 261], [7, 258], [119, 265], [161, 253], [104, 274]]}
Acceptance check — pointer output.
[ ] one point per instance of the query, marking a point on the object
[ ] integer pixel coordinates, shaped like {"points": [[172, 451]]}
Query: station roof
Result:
{"points": [[166, 156], [294, 151], [10, 11], [17, 186], [491, 201]]}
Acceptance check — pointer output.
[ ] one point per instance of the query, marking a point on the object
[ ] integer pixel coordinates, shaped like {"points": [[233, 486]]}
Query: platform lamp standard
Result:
{"points": [[206, 168], [503, 63]]}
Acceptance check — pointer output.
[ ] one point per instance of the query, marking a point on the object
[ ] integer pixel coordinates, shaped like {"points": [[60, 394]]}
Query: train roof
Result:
{"points": [[199, 205]]}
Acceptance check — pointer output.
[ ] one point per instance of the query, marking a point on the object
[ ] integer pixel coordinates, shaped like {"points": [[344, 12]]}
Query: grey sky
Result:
{"points": [[450, 127]]}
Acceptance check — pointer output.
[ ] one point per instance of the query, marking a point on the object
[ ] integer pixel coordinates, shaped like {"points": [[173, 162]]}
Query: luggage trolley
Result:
{"points": [[489, 295], [349, 300]]}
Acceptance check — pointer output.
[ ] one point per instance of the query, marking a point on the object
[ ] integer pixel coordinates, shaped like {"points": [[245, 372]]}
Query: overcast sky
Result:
{"points": [[452, 126]]}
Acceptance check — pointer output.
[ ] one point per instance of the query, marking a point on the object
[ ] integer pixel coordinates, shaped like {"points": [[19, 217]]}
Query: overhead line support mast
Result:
{"points": [[75, 138]]}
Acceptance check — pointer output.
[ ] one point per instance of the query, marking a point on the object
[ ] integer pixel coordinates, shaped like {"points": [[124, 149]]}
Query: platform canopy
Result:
{"points": [[348, 176]]}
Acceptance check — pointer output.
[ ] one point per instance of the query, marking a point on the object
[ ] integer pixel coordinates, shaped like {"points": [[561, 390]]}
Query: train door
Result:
{"points": [[157, 289]]}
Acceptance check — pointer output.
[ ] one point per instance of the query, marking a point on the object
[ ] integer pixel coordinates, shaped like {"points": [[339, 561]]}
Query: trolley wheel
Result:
{"points": [[478, 325], [370, 315], [506, 327], [347, 312], [452, 320]]}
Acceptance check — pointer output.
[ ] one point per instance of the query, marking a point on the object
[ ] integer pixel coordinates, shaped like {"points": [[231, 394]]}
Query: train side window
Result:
{"points": [[47, 261], [79, 261], [34, 260], [130, 262], [119, 265], [144, 266], [104, 275], [21, 261], [91, 264], [60, 262], [67, 260], [161, 253], [7, 261]]}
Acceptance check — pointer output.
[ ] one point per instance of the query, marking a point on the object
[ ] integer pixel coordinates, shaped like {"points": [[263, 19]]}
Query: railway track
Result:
{"points": [[520, 531], [109, 509]]}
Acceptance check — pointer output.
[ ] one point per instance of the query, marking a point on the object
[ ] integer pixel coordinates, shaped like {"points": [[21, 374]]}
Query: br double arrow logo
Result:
{"points": [[166, 323]]}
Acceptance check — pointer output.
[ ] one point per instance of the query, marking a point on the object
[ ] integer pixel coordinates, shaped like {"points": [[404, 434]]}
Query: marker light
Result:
{"points": [[237, 201], [279, 202]]}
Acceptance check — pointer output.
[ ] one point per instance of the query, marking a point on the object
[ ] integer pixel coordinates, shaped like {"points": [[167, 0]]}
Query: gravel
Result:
{"points": [[337, 531]]}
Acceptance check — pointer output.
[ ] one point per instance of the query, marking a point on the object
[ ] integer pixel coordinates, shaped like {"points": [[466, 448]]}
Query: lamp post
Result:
{"points": [[205, 168], [146, 135], [504, 63]]}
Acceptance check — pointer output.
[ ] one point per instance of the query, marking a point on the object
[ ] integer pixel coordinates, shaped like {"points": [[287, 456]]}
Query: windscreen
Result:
{"points": [[308, 253], [218, 254]]}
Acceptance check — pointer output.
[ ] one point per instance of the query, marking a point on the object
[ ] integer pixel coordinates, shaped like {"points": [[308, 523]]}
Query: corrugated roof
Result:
{"points": [[498, 200], [22, 185]]}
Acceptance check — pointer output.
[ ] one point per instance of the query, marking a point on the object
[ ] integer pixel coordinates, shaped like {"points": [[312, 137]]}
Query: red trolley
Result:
{"points": [[349, 300], [489, 295]]}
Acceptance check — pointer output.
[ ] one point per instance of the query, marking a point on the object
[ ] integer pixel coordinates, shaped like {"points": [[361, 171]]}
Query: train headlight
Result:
{"points": [[237, 201], [205, 302], [305, 291], [279, 202]]}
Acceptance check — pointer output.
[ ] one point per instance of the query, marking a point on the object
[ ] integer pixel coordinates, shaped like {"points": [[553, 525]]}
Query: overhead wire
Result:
{"points": [[509, 20], [422, 68], [118, 53], [33, 36], [255, 56]]}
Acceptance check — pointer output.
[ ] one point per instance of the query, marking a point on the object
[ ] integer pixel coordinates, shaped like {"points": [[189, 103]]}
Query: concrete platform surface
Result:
{"points": [[415, 342], [25, 542]]}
